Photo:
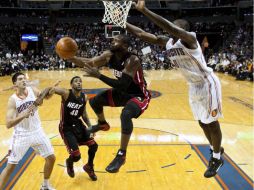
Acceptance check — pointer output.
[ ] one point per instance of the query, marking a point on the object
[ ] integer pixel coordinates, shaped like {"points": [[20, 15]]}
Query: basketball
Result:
{"points": [[66, 48]]}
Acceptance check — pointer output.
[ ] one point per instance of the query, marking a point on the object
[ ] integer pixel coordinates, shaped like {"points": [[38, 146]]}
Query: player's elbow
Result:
{"points": [[8, 125]]}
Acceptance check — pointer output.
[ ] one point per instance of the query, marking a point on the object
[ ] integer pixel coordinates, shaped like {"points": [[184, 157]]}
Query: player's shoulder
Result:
{"points": [[12, 99], [134, 57], [107, 53]]}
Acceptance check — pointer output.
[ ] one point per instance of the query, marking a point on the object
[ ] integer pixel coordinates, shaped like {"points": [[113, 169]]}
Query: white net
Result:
{"points": [[116, 12]]}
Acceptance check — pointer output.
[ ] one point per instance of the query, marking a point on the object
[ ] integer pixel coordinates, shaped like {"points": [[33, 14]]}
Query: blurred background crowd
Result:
{"points": [[224, 30]]}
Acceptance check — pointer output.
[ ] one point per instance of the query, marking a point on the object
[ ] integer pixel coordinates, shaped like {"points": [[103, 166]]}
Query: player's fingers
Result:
{"points": [[87, 70], [52, 91], [86, 66], [133, 4], [57, 83], [86, 75]]}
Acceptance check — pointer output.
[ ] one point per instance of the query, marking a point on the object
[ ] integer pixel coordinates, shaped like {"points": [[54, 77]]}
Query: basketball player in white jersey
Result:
{"points": [[22, 115], [185, 53]]}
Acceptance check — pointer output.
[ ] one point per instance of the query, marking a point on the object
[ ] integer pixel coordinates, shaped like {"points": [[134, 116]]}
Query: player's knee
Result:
{"points": [[75, 156], [203, 125], [127, 126], [51, 158], [94, 103], [126, 114], [214, 126], [10, 168]]}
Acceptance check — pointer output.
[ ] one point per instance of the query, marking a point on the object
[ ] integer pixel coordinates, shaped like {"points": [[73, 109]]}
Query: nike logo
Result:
{"points": [[120, 153]]}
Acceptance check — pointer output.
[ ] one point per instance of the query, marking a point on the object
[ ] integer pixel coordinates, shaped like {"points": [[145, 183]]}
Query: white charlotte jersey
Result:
{"points": [[31, 123], [205, 88], [190, 62]]}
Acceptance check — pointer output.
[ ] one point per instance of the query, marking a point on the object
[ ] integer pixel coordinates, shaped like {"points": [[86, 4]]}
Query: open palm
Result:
{"points": [[140, 5]]}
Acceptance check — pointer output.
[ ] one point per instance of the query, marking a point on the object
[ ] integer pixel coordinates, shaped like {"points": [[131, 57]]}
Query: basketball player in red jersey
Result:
{"points": [[129, 91], [71, 127]]}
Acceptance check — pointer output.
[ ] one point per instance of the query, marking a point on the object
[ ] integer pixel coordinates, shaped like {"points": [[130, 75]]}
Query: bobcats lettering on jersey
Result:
{"points": [[175, 52], [31, 123], [24, 106], [190, 62]]}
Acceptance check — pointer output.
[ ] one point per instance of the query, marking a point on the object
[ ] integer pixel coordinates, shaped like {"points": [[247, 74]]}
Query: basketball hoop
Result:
{"points": [[116, 12]]}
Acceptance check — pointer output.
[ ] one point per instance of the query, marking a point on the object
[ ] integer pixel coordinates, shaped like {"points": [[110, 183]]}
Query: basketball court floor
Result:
{"points": [[167, 151]]}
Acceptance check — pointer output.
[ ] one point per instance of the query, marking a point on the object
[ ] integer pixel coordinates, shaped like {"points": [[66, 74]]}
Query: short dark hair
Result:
{"points": [[74, 78], [184, 24], [125, 39], [15, 76]]}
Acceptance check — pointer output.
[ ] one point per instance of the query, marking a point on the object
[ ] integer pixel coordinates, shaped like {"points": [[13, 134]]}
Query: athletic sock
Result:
{"points": [[216, 155]]}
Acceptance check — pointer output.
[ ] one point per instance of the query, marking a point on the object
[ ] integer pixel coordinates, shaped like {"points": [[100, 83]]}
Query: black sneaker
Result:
{"points": [[211, 154], [118, 161], [90, 171], [99, 127], [70, 169], [213, 167]]}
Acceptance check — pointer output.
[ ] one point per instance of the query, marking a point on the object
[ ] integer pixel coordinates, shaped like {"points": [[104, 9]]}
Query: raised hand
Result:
{"points": [[77, 61], [140, 5], [91, 71]]}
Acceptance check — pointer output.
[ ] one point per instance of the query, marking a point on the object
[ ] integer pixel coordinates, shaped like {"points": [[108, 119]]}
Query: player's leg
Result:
{"points": [[42, 145], [216, 136], [48, 168], [83, 138], [5, 175], [97, 103], [19, 147], [89, 167], [72, 146], [110, 97], [132, 109], [206, 131], [210, 121]]}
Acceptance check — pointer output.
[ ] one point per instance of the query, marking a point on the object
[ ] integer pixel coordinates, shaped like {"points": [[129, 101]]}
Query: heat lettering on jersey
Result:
{"points": [[74, 105], [117, 74], [24, 106]]}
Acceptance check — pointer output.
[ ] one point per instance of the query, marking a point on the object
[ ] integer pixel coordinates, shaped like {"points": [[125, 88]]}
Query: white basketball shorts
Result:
{"points": [[205, 99], [21, 142]]}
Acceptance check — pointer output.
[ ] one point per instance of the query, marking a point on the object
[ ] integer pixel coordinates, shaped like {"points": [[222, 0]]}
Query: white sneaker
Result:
{"points": [[49, 187]]}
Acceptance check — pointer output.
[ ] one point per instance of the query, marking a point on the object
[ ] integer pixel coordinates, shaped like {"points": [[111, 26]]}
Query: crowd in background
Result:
{"points": [[233, 57]]}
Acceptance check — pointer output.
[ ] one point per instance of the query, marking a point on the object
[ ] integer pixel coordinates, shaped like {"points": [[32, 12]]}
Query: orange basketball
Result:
{"points": [[66, 48]]}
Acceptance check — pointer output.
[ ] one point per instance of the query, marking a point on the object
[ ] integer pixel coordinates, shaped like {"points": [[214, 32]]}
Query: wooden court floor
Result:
{"points": [[167, 149]]}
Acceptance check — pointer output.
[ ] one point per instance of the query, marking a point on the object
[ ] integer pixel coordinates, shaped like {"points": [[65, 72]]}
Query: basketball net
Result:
{"points": [[116, 12]]}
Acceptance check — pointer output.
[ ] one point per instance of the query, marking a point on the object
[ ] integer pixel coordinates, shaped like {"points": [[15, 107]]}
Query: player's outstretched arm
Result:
{"points": [[40, 95], [166, 25], [11, 118], [59, 91], [97, 61], [121, 84], [147, 37]]}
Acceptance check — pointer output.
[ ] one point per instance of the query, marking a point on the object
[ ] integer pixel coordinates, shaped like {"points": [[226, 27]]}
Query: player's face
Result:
{"points": [[21, 82], [116, 43], [77, 84]]}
